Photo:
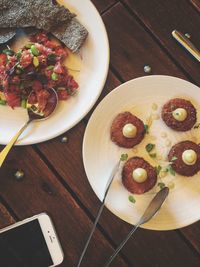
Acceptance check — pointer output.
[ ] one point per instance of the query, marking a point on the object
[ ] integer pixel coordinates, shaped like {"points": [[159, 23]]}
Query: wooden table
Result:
{"points": [[140, 34]]}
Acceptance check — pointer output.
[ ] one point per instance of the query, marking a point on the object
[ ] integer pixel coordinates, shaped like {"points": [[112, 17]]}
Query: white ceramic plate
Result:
{"points": [[182, 207], [91, 78]]}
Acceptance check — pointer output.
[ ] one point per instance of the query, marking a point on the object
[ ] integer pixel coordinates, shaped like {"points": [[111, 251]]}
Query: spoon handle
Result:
{"points": [[121, 245], [7, 148]]}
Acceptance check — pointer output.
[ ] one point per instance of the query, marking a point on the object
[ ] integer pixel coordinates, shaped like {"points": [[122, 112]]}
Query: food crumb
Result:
{"points": [[168, 142], [171, 185], [163, 134], [154, 106], [155, 116]]}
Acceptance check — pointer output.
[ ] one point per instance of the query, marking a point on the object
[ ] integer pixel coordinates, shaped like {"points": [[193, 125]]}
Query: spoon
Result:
{"points": [[150, 211], [35, 114]]}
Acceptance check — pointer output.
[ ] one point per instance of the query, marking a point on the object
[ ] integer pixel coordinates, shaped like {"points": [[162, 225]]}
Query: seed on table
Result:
{"points": [[19, 174], [147, 69], [187, 35], [64, 139]]}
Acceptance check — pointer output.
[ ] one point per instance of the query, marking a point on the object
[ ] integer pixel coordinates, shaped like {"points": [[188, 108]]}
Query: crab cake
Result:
{"points": [[185, 158], [179, 114], [138, 176], [127, 130]]}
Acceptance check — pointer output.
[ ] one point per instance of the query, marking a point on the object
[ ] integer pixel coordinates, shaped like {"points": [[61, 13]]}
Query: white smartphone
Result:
{"points": [[30, 243]]}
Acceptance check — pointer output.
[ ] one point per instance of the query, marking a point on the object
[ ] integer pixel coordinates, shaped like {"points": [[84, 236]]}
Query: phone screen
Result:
{"points": [[24, 246]]}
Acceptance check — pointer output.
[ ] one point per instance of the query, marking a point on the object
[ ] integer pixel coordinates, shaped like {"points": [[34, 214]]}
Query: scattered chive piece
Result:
{"points": [[197, 126], [23, 103], [124, 157], [174, 158], [161, 185], [158, 169], [2, 102], [50, 67], [153, 155], [8, 52], [149, 147], [131, 199], [170, 170], [18, 55], [146, 127]]}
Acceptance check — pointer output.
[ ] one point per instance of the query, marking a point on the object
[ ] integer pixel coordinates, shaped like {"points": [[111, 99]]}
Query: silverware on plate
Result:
{"points": [[34, 114], [187, 44], [114, 171], [150, 211]]}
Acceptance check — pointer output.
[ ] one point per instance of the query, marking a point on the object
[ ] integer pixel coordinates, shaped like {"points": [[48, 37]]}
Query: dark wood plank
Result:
{"points": [[161, 18], [135, 48], [41, 191], [196, 4], [5, 217], [102, 5]]}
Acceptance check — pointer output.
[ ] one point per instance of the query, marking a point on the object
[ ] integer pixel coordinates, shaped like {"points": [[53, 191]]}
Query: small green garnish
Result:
{"points": [[18, 55], [149, 147], [50, 67], [161, 185], [131, 199], [34, 50], [28, 46], [170, 170], [197, 126], [54, 76], [2, 102], [8, 52], [158, 169], [153, 155], [51, 57], [146, 127], [23, 103], [174, 158], [124, 157]]}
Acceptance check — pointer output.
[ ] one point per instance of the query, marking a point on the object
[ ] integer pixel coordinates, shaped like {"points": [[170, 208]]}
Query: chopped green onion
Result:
{"points": [[23, 103], [51, 57], [161, 185], [158, 169], [54, 76], [124, 157], [149, 147], [153, 155], [34, 50], [131, 199], [2, 102], [146, 127], [174, 158], [8, 52], [28, 46], [170, 170], [36, 62], [50, 67], [18, 55]]}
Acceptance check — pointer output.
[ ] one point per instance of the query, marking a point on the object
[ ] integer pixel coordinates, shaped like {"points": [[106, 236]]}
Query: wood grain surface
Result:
{"points": [[55, 181]]}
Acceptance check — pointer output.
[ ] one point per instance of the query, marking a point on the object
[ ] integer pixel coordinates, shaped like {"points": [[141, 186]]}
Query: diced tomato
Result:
{"points": [[16, 80], [37, 85], [3, 59], [32, 99], [58, 68], [62, 95], [42, 98], [13, 100], [61, 52], [51, 44], [14, 89], [39, 37], [71, 83], [26, 58]]}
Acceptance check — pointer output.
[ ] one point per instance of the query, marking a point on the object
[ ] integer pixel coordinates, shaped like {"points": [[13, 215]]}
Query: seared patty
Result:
{"points": [[117, 128], [178, 165], [127, 178], [171, 122]]}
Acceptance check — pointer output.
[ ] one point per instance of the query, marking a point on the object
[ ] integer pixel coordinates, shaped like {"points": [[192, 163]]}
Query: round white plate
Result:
{"points": [[93, 65], [100, 154]]}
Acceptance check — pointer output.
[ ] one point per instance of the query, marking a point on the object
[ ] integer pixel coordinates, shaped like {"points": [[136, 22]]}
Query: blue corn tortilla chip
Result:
{"points": [[72, 34], [6, 35]]}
